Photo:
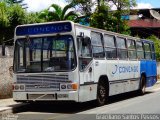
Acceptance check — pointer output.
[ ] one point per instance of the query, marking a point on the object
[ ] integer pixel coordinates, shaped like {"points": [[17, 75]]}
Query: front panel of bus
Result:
{"points": [[45, 63]]}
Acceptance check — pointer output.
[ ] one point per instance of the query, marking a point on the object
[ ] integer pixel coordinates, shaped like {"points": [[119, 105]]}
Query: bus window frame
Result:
{"points": [[122, 49], [145, 43], [114, 38], [94, 45], [140, 50], [135, 50]]}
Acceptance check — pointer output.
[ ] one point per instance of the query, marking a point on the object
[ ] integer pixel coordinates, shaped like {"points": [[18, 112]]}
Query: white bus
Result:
{"points": [[65, 61]]}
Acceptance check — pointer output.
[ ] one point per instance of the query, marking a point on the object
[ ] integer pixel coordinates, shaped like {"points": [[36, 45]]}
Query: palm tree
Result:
{"points": [[56, 13]]}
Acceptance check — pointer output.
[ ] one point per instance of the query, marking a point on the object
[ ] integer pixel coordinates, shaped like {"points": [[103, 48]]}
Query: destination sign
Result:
{"points": [[43, 29]]}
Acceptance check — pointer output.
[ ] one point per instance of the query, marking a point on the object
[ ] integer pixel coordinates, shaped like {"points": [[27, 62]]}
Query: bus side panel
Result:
{"points": [[148, 67], [124, 76]]}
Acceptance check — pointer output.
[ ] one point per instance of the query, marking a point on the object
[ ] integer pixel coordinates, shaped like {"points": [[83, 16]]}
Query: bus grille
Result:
{"points": [[42, 82]]}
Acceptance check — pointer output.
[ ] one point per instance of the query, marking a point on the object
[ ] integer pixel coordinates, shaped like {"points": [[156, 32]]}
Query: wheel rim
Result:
{"points": [[102, 94]]}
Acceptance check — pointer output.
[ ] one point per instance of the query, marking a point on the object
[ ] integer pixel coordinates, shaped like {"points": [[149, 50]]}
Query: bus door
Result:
{"points": [[85, 67]]}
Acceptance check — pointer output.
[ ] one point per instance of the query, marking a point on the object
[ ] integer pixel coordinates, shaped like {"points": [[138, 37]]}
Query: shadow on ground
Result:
{"points": [[69, 107]]}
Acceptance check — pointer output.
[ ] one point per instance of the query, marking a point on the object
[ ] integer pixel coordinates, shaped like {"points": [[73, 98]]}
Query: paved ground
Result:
{"points": [[10, 106], [6, 105]]}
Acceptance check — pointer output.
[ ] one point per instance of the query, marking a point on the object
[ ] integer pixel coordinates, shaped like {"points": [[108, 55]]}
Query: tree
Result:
{"points": [[3, 15], [101, 18], [123, 7], [56, 13], [157, 45], [84, 7], [34, 18], [4, 22], [104, 18], [10, 17], [17, 15]]}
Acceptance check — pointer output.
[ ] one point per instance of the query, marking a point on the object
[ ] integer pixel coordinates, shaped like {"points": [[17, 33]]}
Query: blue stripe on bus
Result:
{"points": [[149, 68], [151, 81]]}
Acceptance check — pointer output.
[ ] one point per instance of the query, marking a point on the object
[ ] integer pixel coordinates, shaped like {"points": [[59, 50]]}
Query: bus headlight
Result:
{"points": [[16, 87], [70, 86], [21, 87], [63, 86]]}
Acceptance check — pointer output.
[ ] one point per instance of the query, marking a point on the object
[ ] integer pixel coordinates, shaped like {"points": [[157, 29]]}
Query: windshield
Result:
{"points": [[44, 54]]}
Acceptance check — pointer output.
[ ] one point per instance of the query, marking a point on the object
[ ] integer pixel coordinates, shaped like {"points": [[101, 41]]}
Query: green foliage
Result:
{"points": [[106, 20], [4, 22], [12, 14], [14, 1], [34, 18], [56, 13], [124, 5], [44, 15], [101, 18], [10, 17], [157, 45], [82, 6], [17, 15]]}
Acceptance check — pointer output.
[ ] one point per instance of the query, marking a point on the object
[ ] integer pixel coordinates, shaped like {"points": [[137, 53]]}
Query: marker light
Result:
{"points": [[74, 86]]}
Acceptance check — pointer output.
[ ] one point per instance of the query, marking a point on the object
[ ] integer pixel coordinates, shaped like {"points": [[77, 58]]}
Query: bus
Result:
{"points": [[65, 61]]}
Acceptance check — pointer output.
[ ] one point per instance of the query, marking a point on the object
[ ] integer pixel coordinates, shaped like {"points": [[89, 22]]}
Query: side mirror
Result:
{"points": [[86, 41]]}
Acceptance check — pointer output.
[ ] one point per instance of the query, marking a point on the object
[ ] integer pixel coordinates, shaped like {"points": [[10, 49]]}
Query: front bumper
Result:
{"points": [[46, 96]]}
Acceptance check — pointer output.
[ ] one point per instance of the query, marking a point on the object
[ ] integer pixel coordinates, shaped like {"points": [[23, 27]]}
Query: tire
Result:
{"points": [[102, 93], [142, 89]]}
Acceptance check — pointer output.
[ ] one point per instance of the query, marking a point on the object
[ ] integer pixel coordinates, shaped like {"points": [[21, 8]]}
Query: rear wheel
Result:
{"points": [[142, 85], [102, 93]]}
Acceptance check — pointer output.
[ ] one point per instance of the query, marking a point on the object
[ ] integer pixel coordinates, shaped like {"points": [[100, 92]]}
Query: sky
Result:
{"points": [[38, 5]]}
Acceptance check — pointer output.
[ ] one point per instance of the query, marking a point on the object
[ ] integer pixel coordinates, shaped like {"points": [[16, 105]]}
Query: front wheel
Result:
{"points": [[102, 93]]}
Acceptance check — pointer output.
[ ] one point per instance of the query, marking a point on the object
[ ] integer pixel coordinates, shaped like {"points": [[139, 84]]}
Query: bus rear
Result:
{"points": [[45, 63]]}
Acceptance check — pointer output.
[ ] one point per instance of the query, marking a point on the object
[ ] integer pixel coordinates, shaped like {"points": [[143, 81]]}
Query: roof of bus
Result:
{"points": [[43, 23], [107, 32], [91, 28], [147, 41]]}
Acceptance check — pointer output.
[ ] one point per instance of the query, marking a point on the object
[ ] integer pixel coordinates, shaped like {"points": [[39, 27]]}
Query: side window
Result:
{"points": [[84, 52], [140, 51], [97, 47], [110, 46], [131, 49], [147, 49], [122, 50]]}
